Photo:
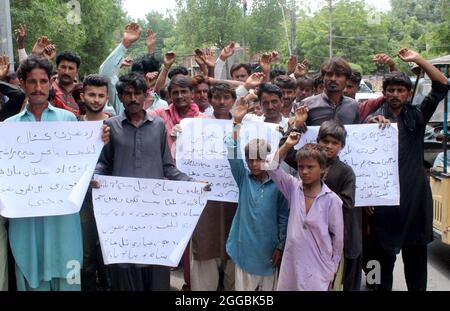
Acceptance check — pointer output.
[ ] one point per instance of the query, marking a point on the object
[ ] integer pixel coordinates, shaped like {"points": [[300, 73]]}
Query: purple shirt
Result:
{"points": [[314, 241]]}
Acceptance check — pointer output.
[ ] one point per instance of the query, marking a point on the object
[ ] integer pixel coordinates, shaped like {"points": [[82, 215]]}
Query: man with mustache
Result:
{"points": [[332, 104], [43, 246], [138, 148], [67, 66], [409, 226], [287, 86], [94, 96]]}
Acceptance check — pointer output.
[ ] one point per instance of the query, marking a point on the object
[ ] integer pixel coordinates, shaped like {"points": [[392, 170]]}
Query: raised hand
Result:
{"points": [[4, 67], [50, 52], [227, 51], [169, 59], [408, 55], [274, 56], [301, 69], [293, 139], [40, 45], [131, 34], [292, 64], [264, 62], [208, 58], [201, 63], [254, 80], [126, 62], [240, 110], [382, 59], [151, 77], [21, 33], [301, 115], [150, 41]]}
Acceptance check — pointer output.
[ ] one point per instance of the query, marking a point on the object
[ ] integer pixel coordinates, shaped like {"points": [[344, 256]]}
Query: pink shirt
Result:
{"points": [[314, 241]]}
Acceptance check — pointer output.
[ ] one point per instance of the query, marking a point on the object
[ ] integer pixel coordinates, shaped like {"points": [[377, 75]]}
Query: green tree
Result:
{"points": [[357, 35], [264, 31], [92, 38], [208, 22]]}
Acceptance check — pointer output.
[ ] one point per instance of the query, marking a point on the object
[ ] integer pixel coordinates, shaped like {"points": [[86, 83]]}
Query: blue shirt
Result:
{"points": [[44, 246], [259, 226]]}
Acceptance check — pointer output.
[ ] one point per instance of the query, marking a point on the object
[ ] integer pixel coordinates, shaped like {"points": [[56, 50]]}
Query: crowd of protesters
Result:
{"points": [[295, 226]]}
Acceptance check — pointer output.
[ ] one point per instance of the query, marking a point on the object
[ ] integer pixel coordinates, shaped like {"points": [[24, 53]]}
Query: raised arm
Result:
{"points": [[150, 41], [435, 74], [384, 59], [226, 53], [169, 60]]}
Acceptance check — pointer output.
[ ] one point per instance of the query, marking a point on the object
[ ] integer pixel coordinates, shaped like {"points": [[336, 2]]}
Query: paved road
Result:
{"points": [[438, 270]]}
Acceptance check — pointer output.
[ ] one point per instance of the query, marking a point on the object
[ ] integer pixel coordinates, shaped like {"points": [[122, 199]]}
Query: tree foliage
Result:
{"points": [[209, 22]]}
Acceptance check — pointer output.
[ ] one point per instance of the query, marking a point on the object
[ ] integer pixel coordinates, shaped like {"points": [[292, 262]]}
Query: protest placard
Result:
{"points": [[46, 167], [146, 221]]}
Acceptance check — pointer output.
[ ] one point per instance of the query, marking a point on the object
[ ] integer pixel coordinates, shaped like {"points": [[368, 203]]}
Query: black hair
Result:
{"points": [[274, 73], [145, 64], [222, 88], [236, 67], [338, 65], [313, 151], [285, 82], [334, 129], [132, 79], [355, 77], [180, 70], [269, 88], [397, 78], [181, 81], [68, 56], [33, 62], [318, 80], [305, 81], [11, 76], [95, 80]]}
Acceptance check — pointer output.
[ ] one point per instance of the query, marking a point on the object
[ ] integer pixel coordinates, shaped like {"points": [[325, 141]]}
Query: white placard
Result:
{"points": [[46, 167], [146, 221], [373, 155], [202, 154]]}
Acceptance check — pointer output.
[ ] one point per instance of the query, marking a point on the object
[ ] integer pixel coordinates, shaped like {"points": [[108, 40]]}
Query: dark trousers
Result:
{"points": [[135, 278], [93, 267], [415, 263], [352, 274]]}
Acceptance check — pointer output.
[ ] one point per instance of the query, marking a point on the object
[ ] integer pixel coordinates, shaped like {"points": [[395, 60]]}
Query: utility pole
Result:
{"points": [[6, 46], [330, 26], [244, 8], [293, 28]]}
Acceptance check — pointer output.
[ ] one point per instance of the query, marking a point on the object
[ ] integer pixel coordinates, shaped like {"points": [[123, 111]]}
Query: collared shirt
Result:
{"points": [[314, 240], [140, 152], [49, 114], [43, 246], [284, 123], [63, 99], [321, 109], [259, 226]]}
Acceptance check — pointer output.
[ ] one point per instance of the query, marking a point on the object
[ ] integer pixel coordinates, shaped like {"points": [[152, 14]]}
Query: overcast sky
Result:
{"points": [[139, 8]]}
